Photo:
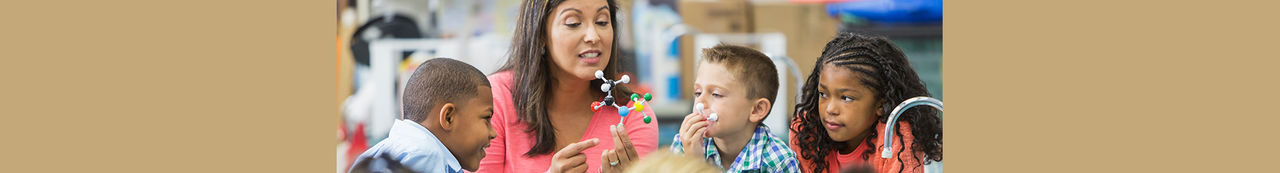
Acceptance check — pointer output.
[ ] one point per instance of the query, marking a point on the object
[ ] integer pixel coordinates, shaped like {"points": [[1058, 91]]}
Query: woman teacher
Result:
{"points": [[542, 95]]}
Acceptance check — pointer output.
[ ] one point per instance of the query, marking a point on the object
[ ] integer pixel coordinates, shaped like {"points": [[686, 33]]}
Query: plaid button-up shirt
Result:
{"points": [[764, 153]]}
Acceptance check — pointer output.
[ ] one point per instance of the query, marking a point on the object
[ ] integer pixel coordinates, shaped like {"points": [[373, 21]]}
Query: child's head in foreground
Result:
{"points": [[854, 85], [739, 85], [667, 162], [452, 99]]}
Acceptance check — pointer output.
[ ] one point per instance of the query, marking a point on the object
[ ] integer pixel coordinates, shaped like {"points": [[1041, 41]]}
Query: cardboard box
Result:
{"points": [[807, 27], [707, 16]]}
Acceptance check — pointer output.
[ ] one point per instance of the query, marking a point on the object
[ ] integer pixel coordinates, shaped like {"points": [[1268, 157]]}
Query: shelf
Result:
{"points": [[896, 30]]}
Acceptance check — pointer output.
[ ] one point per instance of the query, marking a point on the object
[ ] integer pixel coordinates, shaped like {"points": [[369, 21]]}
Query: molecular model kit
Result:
{"points": [[637, 103]]}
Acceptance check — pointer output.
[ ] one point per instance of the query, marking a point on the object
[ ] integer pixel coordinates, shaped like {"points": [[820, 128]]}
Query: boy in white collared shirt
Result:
{"points": [[447, 105]]}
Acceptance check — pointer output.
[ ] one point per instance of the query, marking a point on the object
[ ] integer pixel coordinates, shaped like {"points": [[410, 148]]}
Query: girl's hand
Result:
{"points": [[570, 158], [692, 131], [622, 154]]}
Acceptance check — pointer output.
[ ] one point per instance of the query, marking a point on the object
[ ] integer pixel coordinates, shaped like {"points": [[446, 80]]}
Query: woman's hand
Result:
{"points": [[570, 158], [692, 131], [622, 154]]}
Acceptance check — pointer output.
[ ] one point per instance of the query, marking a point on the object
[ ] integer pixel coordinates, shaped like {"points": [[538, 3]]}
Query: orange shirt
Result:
{"points": [[902, 161]]}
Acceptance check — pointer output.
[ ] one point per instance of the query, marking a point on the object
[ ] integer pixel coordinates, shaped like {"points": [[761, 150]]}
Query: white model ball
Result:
{"points": [[697, 107]]}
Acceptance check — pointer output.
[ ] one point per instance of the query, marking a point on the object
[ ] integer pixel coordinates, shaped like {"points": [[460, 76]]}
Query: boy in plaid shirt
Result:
{"points": [[737, 85]]}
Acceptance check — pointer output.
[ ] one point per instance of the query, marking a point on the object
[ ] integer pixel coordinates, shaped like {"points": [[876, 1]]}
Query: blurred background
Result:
{"points": [[380, 42]]}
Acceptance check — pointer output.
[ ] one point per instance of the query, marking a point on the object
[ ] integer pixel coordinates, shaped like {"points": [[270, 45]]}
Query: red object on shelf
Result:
{"points": [[358, 142]]}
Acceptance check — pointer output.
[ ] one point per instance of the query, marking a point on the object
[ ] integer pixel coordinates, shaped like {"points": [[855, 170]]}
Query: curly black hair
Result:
{"points": [[889, 76]]}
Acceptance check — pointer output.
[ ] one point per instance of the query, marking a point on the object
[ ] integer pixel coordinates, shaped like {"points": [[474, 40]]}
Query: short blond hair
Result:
{"points": [[752, 67], [662, 160]]}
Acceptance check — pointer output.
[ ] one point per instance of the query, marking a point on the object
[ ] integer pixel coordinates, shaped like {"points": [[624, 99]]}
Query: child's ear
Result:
{"points": [[759, 110], [445, 118], [880, 104]]}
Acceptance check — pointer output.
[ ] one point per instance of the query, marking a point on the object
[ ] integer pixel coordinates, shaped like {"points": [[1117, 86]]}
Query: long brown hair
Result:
{"points": [[530, 62]]}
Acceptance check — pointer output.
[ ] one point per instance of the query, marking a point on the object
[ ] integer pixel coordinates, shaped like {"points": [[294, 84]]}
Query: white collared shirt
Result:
{"points": [[415, 148]]}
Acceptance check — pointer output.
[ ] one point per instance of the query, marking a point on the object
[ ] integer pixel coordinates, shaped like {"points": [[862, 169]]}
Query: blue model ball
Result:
{"points": [[624, 111]]}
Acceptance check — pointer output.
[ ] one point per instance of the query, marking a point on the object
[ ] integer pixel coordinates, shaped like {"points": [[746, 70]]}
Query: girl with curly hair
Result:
{"points": [[855, 84]]}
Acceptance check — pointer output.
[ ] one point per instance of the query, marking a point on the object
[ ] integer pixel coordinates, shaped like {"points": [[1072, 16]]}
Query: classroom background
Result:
{"points": [[380, 42]]}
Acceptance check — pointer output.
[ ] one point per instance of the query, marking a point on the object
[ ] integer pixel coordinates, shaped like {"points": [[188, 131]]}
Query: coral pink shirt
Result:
{"points": [[506, 152], [902, 161]]}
